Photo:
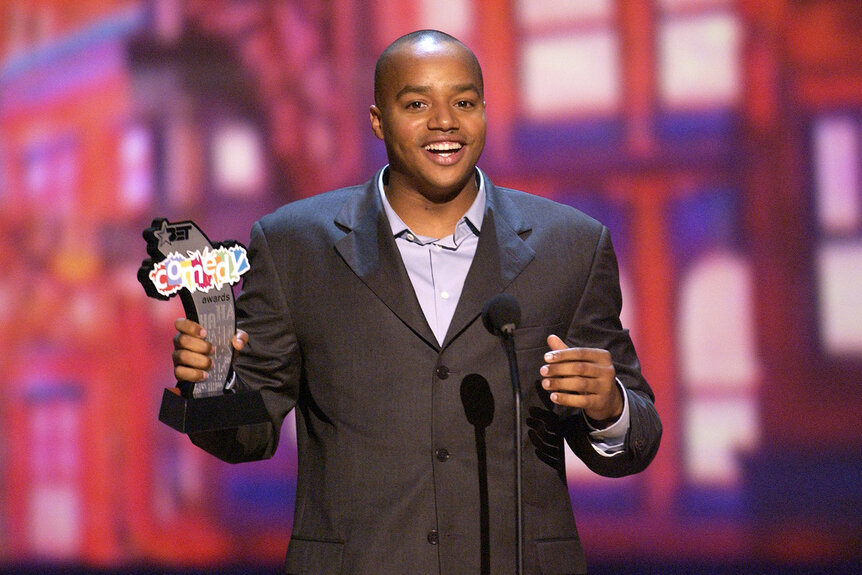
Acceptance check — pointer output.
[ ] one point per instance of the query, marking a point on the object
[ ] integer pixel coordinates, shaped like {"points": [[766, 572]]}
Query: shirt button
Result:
{"points": [[433, 537], [442, 454], [442, 371], [410, 237], [444, 294]]}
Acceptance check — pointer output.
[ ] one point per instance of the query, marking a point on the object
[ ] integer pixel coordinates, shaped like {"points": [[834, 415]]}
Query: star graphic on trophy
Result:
{"points": [[164, 237]]}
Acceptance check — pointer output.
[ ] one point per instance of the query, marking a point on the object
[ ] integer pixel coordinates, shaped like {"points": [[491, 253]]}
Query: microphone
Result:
{"points": [[501, 315]]}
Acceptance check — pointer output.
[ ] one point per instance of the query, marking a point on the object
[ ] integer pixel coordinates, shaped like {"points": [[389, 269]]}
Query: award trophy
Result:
{"points": [[183, 261]]}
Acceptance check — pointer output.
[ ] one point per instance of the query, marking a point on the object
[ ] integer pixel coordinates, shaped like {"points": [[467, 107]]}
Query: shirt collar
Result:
{"points": [[471, 221]]}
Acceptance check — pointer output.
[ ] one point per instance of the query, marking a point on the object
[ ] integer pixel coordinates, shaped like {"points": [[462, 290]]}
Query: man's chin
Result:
{"points": [[443, 192], [438, 185]]}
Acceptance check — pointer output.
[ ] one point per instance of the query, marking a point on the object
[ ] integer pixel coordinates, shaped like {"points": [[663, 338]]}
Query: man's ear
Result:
{"points": [[376, 117]]}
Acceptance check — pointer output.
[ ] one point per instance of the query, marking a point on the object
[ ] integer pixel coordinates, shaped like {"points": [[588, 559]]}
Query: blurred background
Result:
{"points": [[720, 140]]}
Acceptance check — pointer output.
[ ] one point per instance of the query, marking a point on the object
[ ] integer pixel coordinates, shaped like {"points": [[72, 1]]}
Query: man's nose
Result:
{"points": [[442, 118]]}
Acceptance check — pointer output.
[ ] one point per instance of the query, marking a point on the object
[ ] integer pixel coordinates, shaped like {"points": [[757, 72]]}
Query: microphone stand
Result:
{"points": [[509, 344], [501, 315]]}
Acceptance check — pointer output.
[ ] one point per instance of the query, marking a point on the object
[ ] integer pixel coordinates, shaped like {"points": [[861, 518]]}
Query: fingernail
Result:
{"points": [[554, 397], [543, 370], [549, 356], [203, 333], [546, 383]]}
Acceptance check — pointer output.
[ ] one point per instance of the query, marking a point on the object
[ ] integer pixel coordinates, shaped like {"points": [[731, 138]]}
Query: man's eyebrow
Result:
{"points": [[471, 87], [413, 89]]}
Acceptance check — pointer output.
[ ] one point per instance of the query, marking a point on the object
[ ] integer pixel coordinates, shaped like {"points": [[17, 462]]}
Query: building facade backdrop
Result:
{"points": [[720, 140]]}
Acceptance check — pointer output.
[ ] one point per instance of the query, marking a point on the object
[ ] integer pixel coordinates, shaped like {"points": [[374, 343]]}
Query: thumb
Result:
{"points": [[239, 339], [555, 343]]}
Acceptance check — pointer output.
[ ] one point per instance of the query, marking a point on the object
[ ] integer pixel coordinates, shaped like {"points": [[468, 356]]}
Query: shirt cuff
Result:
{"points": [[611, 440]]}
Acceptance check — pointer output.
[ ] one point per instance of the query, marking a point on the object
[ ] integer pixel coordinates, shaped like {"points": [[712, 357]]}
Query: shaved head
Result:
{"points": [[423, 41]]}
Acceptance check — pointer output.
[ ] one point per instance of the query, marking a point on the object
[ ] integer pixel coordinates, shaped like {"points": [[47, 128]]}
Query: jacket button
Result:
{"points": [[442, 371], [433, 537], [442, 454]]}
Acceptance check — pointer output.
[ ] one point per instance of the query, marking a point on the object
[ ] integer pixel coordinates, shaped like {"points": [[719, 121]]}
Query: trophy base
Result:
{"points": [[226, 411]]}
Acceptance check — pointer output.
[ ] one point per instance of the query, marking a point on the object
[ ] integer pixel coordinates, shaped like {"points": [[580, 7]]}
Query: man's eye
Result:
{"points": [[416, 105], [464, 104]]}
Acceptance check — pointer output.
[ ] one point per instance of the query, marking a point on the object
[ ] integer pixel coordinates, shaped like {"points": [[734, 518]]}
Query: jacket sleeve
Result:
{"points": [[597, 324], [269, 363]]}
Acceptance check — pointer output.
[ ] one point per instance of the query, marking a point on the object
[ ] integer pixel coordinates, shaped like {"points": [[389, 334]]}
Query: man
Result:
{"points": [[361, 310]]}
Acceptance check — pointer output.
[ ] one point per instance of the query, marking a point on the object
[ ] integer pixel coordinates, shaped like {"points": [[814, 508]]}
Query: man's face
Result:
{"points": [[432, 119]]}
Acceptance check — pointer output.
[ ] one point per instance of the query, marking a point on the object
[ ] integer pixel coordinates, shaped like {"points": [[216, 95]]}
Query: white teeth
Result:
{"points": [[443, 147]]}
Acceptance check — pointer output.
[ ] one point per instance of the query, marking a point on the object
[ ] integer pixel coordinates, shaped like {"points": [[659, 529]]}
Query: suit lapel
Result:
{"points": [[500, 256], [370, 251]]}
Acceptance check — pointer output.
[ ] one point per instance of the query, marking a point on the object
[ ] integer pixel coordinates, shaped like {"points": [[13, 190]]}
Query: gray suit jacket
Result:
{"points": [[406, 456]]}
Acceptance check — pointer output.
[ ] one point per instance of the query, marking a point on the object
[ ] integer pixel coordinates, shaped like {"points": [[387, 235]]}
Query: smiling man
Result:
{"points": [[362, 312]]}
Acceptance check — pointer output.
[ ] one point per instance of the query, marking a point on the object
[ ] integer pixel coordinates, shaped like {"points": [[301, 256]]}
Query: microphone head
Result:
{"points": [[501, 315]]}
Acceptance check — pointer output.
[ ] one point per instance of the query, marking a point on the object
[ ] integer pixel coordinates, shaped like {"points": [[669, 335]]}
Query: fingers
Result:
{"points": [[578, 377], [556, 343], [191, 367], [190, 337], [561, 353], [576, 369], [192, 352], [191, 356], [189, 327]]}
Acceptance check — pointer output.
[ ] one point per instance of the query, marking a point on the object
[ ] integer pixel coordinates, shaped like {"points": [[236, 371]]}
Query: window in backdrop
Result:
{"points": [[137, 167], [51, 173], [237, 159], [836, 156], [718, 365], [455, 19], [699, 62], [698, 70], [570, 58]]}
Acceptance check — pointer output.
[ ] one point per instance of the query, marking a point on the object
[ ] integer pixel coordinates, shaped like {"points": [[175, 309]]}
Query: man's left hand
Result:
{"points": [[582, 377]]}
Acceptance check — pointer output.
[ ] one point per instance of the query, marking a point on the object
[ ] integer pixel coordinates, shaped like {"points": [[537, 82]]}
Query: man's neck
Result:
{"points": [[426, 217]]}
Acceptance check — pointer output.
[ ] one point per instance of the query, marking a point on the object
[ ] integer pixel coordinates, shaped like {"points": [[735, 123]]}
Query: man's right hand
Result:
{"points": [[192, 351]]}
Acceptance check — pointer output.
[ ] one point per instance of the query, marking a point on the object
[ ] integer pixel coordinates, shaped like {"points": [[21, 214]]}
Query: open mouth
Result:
{"points": [[444, 149]]}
